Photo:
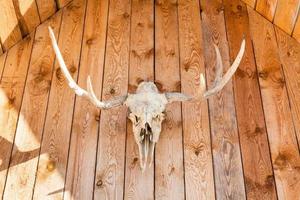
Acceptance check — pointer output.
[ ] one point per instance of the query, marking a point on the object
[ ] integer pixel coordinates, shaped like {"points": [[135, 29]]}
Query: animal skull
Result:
{"points": [[147, 105]]}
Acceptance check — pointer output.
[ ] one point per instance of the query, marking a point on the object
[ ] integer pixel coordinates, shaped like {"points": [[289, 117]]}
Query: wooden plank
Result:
{"points": [[267, 8], [82, 154], [139, 185], [55, 143], [286, 14], [289, 52], [2, 63], [199, 178], [169, 172], [11, 93], [225, 139], [109, 180], [27, 15], [62, 3], [24, 159], [258, 172], [10, 32], [46, 8], [279, 122], [296, 32], [250, 2]]}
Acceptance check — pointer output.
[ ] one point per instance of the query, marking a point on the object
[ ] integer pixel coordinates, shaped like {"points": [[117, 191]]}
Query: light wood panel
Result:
{"points": [[289, 52], [109, 180], [84, 136], [279, 122], [62, 3], [225, 139], [169, 178], [139, 185], [2, 63], [10, 31], [296, 32], [11, 93], [27, 15], [196, 133], [251, 3], [258, 172], [55, 143], [46, 8], [24, 159], [286, 14], [267, 8]]}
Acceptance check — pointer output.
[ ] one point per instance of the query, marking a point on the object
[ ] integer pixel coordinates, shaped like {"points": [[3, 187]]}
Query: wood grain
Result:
{"points": [[109, 180], [139, 185], [197, 142], [267, 8], [10, 32], [27, 15], [251, 3], [1, 50], [46, 8], [55, 142], [286, 14], [62, 3], [225, 140], [84, 136], [289, 52], [11, 93], [2, 63], [24, 159], [296, 32], [279, 122], [258, 172], [169, 172]]}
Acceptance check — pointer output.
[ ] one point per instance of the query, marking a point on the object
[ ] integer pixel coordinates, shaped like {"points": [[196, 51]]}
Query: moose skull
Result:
{"points": [[147, 105]]}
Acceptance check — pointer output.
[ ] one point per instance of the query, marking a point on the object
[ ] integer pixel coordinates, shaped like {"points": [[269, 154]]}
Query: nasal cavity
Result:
{"points": [[148, 128]]}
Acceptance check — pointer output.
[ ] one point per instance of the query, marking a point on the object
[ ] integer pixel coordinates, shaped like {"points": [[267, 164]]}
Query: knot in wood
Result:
{"points": [[99, 183], [51, 166], [126, 15], [239, 7]]}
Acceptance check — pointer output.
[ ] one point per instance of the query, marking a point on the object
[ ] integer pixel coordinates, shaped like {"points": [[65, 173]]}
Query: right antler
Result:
{"points": [[78, 90], [219, 82]]}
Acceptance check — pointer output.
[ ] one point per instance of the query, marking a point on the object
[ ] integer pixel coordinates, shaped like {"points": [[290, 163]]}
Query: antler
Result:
{"points": [[219, 82], [78, 90]]}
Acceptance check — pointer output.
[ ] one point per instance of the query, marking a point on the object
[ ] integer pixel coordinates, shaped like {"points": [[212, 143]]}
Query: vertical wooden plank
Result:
{"points": [[2, 63], [257, 164], [279, 123], [109, 181], [10, 32], [46, 8], [62, 3], [199, 178], [11, 93], [286, 14], [267, 8], [27, 15], [225, 139], [24, 159], [296, 32], [250, 2], [289, 52], [139, 185], [55, 143], [82, 156], [169, 178]]}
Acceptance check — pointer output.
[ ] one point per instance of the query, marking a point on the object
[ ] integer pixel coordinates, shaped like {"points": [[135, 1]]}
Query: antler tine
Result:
{"points": [[219, 82], [73, 85]]}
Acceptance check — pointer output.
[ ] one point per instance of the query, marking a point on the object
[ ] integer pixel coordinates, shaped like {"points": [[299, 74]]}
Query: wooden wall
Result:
{"points": [[283, 13], [18, 18]]}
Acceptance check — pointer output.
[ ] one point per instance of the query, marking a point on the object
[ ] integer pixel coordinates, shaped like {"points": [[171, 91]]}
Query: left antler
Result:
{"points": [[78, 90], [219, 82]]}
